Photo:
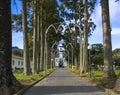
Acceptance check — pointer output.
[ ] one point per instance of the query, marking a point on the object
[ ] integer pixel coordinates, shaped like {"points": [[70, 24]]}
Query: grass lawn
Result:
{"points": [[97, 78], [94, 73], [31, 78], [117, 72]]}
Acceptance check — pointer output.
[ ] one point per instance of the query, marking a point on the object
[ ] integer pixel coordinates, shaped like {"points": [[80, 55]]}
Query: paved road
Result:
{"points": [[62, 82]]}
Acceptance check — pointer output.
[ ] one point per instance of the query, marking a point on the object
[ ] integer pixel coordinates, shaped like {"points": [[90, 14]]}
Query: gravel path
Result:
{"points": [[62, 82]]}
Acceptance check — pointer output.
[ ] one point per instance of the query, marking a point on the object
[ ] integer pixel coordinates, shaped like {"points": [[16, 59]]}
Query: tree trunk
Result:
{"points": [[42, 37], [27, 69], [38, 37], [49, 58], [34, 69], [85, 50], [108, 65], [46, 54], [81, 46], [8, 83]]}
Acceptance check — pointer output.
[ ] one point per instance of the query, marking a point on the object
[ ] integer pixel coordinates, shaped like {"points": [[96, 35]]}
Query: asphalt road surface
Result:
{"points": [[62, 82]]}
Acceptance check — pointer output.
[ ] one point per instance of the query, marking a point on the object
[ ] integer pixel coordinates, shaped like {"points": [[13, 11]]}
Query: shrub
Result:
{"points": [[98, 60]]}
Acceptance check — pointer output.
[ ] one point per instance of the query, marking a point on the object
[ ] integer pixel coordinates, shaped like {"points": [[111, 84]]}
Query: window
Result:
{"points": [[21, 63], [13, 62], [18, 63]]}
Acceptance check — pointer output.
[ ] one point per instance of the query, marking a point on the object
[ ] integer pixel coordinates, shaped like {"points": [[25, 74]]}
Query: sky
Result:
{"points": [[115, 24], [17, 38]]}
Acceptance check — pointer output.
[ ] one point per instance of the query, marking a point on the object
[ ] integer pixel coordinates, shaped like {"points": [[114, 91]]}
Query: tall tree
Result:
{"points": [[42, 35], [38, 36], [108, 65], [8, 83], [49, 14], [85, 50], [80, 33], [27, 69], [34, 69], [74, 13]]}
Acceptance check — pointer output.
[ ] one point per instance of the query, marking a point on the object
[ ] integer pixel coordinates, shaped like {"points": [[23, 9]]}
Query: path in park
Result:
{"points": [[62, 82]]}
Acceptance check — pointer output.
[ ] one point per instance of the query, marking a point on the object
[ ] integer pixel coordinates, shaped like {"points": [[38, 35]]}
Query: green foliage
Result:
{"points": [[97, 73], [94, 73], [50, 13], [52, 37], [17, 51], [70, 10], [116, 57], [97, 48], [97, 54], [117, 72], [17, 22], [67, 36], [21, 76], [98, 59]]}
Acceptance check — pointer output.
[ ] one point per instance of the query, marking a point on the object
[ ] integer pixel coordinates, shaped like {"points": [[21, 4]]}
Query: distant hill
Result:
{"points": [[17, 51]]}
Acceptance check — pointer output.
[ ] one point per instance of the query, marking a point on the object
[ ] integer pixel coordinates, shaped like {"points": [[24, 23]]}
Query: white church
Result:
{"points": [[60, 60]]}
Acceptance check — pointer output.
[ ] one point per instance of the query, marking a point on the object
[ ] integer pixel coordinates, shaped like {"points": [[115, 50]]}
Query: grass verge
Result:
{"points": [[27, 80], [98, 79], [94, 73]]}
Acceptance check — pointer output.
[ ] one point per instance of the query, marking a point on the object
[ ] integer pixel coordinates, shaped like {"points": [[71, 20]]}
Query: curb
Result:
{"points": [[20, 92], [110, 92], [107, 91]]}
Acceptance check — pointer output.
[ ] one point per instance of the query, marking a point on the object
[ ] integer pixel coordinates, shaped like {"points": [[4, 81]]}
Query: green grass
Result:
{"points": [[117, 72], [77, 72], [100, 73], [97, 78], [97, 73], [21, 76], [94, 73], [34, 77]]}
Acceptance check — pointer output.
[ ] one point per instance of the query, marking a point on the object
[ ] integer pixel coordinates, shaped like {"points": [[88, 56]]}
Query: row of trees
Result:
{"points": [[80, 11], [97, 56], [36, 16], [43, 14], [77, 9]]}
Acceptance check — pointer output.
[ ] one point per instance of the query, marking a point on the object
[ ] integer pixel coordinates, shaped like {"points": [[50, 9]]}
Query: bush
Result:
{"points": [[98, 59], [116, 59]]}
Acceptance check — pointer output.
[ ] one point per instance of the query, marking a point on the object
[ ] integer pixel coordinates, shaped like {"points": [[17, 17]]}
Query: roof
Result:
{"points": [[17, 57]]}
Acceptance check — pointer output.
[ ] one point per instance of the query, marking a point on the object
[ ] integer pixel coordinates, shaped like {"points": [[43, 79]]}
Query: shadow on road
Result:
{"points": [[51, 90], [62, 82]]}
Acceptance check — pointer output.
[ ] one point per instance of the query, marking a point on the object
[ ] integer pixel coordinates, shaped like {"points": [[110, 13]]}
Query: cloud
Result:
{"points": [[114, 9], [17, 39], [114, 14], [97, 36], [115, 31], [96, 16]]}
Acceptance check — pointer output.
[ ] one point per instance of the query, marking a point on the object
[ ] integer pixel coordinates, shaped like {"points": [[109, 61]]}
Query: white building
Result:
{"points": [[57, 60], [60, 58], [17, 62]]}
